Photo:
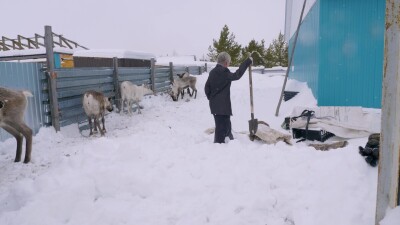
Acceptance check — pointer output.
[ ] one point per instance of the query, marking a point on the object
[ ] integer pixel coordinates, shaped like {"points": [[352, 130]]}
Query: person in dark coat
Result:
{"points": [[218, 92]]}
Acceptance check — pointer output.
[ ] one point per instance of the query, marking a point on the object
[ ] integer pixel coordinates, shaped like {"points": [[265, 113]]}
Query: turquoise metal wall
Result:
{"points": [[351, 51], [26, 76], [346, 38]]}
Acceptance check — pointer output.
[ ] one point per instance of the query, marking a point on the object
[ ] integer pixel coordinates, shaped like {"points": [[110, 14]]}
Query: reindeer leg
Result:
{"points": [[179, 92], [190, 94], [27, 132], [97, 123], [122, 105], [130, 107], [90, 126], [195, 91], [138, 106], [18, 136], [103, 121]]}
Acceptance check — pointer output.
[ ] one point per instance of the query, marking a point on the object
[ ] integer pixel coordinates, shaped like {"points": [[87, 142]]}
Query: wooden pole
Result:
{"points": [[389, 156], [116, 84], [171, 72], [152, 74], [52, 78]]}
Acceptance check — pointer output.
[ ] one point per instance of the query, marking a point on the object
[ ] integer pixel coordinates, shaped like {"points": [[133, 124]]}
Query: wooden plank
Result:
{"points": [[153, 62], [55, 116], [389, 156]]}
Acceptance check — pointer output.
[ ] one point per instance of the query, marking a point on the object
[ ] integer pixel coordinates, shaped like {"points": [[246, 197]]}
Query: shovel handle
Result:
{"points": [[251, 92]]}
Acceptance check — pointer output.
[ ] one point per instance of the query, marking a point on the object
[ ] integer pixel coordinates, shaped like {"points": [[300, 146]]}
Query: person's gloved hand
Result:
{"points": [[251, 59]]}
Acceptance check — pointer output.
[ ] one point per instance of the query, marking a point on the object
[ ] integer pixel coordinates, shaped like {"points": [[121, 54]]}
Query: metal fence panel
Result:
{"points": [[72, 83]]}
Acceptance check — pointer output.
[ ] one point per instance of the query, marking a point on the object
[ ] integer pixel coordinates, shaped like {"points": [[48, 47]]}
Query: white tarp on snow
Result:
{"points": [[345, 122]]}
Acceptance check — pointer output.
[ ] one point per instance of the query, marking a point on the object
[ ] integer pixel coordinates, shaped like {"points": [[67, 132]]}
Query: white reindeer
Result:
{"points": [[133, 94], [12, 107], [95, 105]]}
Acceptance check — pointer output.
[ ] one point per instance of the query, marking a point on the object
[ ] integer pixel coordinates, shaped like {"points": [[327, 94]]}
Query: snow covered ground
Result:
{"points": [[160, 167]]}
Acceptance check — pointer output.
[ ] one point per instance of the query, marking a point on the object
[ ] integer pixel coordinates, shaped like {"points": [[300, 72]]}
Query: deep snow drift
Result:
{"points": [[160, 167]]}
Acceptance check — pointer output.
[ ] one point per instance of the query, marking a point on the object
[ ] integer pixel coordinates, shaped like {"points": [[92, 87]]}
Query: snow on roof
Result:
{"points": [[38, 51], [111, 53], [179, 61]]}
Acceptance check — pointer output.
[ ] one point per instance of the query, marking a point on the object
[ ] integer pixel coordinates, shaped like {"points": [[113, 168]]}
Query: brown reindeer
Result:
{"points": [[12, 108], [95, 105]]}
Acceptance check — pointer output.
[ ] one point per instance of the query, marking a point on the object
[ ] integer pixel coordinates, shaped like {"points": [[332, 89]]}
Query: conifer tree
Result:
{"points": [[225, 43], [277, 53]]}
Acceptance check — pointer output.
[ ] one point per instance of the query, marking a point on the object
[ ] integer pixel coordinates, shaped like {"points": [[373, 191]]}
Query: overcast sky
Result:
{"points": [[182, 27]]}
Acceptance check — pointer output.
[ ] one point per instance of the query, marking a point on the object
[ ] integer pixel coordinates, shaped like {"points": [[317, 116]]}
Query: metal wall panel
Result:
{"points": [[26, 76], [306, 60], [351, 51], [339, 52], [73, 83]]}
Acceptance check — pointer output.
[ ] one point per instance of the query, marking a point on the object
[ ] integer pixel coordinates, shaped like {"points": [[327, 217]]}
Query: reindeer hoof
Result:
{"points": [[17, 160], [27, 160]]}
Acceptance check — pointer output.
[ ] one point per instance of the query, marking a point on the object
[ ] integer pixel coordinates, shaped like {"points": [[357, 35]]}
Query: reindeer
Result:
{"points": [[95, 105], [183, 81], [12, 108], [131, 93]]}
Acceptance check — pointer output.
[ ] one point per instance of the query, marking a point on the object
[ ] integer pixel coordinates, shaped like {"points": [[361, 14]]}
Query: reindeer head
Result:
{"points": [[107, 104], [174, 93], [147, 89]]}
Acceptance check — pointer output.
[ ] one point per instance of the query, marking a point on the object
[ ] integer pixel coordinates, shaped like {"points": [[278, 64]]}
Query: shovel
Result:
{"points": [[253, 123]]}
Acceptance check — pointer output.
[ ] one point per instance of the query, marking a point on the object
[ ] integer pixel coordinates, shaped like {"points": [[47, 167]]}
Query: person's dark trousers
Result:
{"points": [[223, 128]]}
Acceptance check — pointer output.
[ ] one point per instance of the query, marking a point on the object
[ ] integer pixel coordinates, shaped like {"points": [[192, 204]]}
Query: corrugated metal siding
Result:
{"points": [[339, 52], [72, 83], [351, 50], [306, 60], [26, 76]]}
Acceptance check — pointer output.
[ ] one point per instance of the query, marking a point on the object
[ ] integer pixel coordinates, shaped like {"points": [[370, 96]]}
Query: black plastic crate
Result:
{"points": [[313, 135]]}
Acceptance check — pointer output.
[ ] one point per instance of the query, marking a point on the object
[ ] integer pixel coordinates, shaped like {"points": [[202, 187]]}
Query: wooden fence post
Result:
{"points": [[388, 196], [171, 72], [52, 78], [205, 67], [116, 84], [152, 74]]}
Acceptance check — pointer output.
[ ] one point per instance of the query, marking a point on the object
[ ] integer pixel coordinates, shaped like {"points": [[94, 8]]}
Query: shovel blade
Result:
{"points": [[253, 125]]}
